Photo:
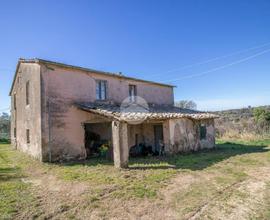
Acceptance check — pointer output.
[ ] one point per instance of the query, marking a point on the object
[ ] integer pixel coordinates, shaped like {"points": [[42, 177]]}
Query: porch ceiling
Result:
{"points": [[133, 112]]}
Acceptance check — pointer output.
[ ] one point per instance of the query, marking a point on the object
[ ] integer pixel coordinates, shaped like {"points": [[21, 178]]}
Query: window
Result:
{"points": [[27, 93], [203, 131], [27, 136], [132, 93], [14, 102], [101, 89], [14, 133]]}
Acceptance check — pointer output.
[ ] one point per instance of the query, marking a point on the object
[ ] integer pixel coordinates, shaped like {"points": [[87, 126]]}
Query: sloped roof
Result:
{"points": [[120, 76], [136, 112]]}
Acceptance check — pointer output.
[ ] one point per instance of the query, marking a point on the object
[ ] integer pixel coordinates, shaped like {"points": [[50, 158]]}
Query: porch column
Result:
{"points": [[120, 144], [168, 134]]}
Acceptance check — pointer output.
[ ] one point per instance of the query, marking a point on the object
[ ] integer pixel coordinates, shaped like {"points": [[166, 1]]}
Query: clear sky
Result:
{"points": [[165, 41]]}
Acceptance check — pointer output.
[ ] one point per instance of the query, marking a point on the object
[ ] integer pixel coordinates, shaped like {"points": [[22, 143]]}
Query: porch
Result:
{"points": [[118, 140], [160, 130]]}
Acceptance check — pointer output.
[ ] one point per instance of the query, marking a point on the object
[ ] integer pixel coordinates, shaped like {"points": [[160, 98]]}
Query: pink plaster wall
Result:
{"points": [[61, 87], [77, 84], [27, 116]]}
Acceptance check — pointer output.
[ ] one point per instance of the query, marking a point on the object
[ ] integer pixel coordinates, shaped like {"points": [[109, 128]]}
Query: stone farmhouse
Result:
{"points": [[62, 112]]}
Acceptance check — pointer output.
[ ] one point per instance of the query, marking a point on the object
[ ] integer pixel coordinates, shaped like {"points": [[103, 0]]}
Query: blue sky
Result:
{"points": [[152, 40]]}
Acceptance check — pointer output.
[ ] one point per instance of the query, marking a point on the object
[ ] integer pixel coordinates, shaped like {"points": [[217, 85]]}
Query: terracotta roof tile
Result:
{"points": [[133, 112]]}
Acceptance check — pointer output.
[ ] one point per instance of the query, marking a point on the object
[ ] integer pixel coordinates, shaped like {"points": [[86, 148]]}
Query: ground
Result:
{"points": [[231, 181]]}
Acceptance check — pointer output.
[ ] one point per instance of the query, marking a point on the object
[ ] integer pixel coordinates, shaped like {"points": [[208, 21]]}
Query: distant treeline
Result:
{"points": [[248, 123], [4, 127]]}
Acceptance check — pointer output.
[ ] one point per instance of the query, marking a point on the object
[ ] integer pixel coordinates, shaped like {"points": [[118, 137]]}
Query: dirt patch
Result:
{"points": [[235, 188], [53, 196], [57, 199], [241, 200]]}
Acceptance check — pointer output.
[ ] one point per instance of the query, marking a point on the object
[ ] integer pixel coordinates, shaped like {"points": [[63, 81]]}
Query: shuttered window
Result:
{"points": [[101, 90], [203, 131], [132, 93]]}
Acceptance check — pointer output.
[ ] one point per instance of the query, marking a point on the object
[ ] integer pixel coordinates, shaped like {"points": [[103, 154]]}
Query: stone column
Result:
{"points": [[166, 136], [120, 144]]}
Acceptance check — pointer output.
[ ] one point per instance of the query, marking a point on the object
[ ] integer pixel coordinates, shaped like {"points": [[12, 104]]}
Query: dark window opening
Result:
{"points": [[27, 136], [132, 93], [14, 102], [203, 132], [101, 90], [15, 134], [27, 93]]}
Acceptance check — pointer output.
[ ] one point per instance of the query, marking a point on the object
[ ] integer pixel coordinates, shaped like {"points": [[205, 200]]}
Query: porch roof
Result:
{"points": [[136, 112]]}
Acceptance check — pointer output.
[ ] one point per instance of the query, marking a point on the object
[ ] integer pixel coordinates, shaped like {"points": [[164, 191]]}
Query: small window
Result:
{"points": [[132, 93], [27, 93], [203, 131], [28, 136], [15, 133], [14, 102], [101, 90]]}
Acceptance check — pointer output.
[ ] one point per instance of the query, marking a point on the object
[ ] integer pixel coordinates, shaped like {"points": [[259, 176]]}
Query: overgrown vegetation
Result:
{"points": [[262, 118], [247, 123], [213, 184]]}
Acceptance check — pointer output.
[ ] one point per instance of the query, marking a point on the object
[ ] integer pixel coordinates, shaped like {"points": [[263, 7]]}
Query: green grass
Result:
{"points": [[122, 183], [14, 193], [215, 170], [147, 175]]}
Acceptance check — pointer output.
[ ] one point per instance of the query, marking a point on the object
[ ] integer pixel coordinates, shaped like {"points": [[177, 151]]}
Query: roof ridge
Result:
{"points": [[92, 70]]}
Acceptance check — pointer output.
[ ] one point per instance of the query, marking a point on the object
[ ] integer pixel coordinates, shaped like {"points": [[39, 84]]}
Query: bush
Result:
{"points": [[4, 141]]}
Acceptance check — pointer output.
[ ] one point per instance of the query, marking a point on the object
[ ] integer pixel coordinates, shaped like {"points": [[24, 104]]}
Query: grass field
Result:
{"points": [[231, 181]]}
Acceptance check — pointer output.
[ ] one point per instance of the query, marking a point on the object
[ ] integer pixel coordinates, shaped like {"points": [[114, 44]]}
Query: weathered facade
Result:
{"points": [[62, 112]]}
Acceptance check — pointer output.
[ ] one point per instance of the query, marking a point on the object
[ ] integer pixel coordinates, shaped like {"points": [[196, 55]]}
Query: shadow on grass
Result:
{"points": [[9, 173], [192, 161]]}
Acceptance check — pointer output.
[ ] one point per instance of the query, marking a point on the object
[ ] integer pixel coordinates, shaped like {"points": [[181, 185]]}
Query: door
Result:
{"points": [[158, 133]]}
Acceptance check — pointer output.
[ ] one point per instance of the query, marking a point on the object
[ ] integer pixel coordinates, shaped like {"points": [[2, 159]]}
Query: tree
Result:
{"points": [[4, 125], [189, 104], [262, 117], [261, 114]]}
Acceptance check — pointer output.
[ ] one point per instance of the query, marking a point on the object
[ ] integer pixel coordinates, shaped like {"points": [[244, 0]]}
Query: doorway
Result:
{"points": [[158, 139], [97, 140]]}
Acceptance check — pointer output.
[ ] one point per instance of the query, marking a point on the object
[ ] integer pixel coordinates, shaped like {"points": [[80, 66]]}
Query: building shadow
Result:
{"points": [[192, 161], [197, 160], [9, 173]]}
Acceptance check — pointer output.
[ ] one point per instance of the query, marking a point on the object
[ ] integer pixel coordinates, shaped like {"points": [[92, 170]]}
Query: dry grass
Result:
{"points": [[234, 135], [231, 181]]}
